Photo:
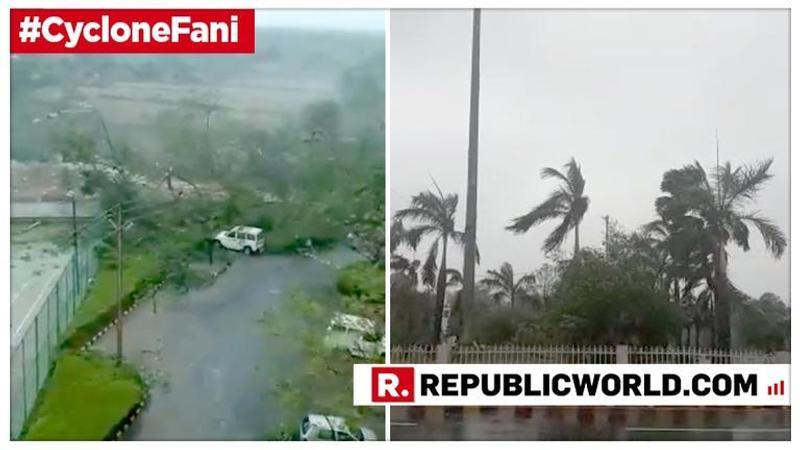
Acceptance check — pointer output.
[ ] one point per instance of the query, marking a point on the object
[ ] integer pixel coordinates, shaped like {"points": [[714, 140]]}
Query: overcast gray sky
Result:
{"points": [[629, 94]]}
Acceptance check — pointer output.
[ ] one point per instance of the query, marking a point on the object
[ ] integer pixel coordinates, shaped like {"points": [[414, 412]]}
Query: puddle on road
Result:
{"points": [[213, 363]]}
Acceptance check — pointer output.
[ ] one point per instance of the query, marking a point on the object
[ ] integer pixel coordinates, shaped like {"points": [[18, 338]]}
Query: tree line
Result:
{"points": [[664, 283]]}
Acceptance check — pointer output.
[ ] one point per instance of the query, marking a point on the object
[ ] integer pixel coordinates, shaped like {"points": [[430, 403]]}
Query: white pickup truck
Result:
{"points": [[249, 240]]}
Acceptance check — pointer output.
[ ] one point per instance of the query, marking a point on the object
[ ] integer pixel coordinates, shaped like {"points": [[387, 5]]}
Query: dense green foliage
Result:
{"points": [[763, 323], [602, 301], [363, 280]]}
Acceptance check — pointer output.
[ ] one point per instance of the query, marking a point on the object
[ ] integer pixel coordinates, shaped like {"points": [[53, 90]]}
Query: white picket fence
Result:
{"points": [[594, 354], [413, 354]]}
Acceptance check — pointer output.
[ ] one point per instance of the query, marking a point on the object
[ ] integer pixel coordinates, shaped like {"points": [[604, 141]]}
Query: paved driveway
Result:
{"points": [[212, 362]]}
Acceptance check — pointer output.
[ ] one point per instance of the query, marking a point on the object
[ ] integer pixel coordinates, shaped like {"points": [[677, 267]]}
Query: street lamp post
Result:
{"points": [[470, 247]]}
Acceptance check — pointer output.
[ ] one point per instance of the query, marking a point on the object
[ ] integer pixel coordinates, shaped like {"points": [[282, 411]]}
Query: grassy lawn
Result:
{"points": [[85, 397], [97, 310]]}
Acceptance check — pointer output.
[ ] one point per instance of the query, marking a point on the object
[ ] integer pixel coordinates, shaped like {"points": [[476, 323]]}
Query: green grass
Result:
{"points": [[86, 397], [140, 269], [321, 379], [363, 280]]}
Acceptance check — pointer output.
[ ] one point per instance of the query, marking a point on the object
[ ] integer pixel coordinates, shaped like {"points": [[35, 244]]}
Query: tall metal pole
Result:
{"points": [[119, 283], [605, 218], [470, 252]]}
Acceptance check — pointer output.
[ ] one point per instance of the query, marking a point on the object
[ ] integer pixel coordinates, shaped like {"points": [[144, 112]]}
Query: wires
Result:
{"points": [[109, 213], [151, 208]]}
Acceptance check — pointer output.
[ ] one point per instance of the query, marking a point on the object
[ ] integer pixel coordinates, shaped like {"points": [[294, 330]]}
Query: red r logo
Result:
{"points": [[393, 384]]}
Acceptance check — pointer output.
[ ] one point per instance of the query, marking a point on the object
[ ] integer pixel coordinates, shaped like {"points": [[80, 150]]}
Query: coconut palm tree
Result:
{"points": [[719, 202], [433, 215], [567, 203], [502, 284], [404, 271]]}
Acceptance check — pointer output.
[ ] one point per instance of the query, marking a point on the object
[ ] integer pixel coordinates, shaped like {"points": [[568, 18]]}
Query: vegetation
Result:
{"points": [[764, 323], [567, 203], [434, 215], [321, 379], [665, 283], [291, 142], [714, 210], [100, 306], [364, 281], [610, 301], [502, 285], [86, 398]]}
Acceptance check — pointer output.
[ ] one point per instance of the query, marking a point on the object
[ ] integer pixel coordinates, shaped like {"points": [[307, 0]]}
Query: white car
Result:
{"points": [[318, 427], [242, 239]]}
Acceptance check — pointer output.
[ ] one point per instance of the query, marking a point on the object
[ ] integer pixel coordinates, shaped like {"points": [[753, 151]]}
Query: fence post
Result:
{"points": [[622, 354], [442, 353], [49, 321], [36, 349], [24, 383], [58, 310]]}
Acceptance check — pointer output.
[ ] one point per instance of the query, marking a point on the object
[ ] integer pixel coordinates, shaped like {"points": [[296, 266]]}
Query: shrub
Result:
{"points": [[363, 280]]}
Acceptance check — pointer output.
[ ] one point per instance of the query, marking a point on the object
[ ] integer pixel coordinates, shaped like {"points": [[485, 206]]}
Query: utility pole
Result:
{"points": [[107, 136], [470, 247], [605, 218], [119, 283]]}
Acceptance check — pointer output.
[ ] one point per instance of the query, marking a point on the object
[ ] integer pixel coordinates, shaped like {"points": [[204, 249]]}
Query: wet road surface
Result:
{"points": [[590, 423], [210, 361]]}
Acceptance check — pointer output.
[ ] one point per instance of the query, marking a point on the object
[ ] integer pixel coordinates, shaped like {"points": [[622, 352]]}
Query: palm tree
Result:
{"points": [[404, 271], [502, 285], [433, 215], [566, 203], [719, 204], [682, 245]]}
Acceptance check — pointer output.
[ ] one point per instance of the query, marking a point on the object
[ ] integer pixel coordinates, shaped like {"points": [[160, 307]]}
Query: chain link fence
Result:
{"points": [[35, 347]]}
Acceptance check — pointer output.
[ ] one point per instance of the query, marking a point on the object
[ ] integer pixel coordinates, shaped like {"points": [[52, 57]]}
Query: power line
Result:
{"points": [[107, 213]]}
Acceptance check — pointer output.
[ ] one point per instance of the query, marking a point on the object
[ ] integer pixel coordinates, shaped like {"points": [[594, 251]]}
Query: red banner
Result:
{"points": [[132, 31]]}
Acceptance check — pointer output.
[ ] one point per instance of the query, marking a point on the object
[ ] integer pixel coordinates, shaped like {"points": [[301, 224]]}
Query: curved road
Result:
{"points": [[208, 354]]}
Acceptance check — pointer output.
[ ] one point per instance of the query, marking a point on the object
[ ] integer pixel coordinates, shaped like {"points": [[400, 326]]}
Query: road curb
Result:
{"points": [[134, 304], [119, 430]]}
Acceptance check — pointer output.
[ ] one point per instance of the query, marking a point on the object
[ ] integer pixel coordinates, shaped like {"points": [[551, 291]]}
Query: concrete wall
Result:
{"points": [[53, 209]]}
